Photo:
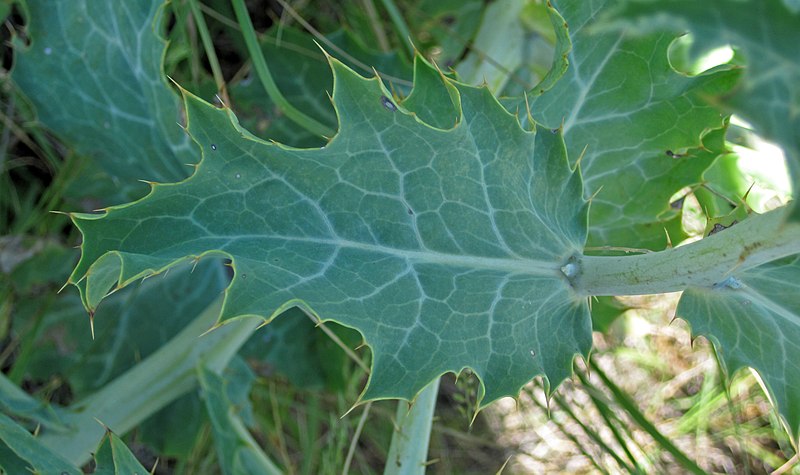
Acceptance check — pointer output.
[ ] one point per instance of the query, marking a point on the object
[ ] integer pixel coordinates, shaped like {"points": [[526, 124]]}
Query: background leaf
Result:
{"points": [[765, 32], [308, 85], [238, 452], [753, 318], [112, 103], [130, 326], [28, 449], [114, 458], [637, 124]]}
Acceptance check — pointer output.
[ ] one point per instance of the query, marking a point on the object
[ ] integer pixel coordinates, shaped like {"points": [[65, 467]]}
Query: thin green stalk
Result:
{"points": [[357, 435], [264, 75], [331, 46], [185, 31], [408, 451], [701, 410], [309, 428], [5, 136], [29, 346], [791, 463], [401, 26], [40, 219], [233, 442], [208, 46], [755, 241], [150, 385], [279, 430], [633, 411]]}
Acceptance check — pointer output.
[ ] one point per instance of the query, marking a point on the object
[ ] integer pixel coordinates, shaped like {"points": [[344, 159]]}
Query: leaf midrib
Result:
{"points": [[527, 266]]}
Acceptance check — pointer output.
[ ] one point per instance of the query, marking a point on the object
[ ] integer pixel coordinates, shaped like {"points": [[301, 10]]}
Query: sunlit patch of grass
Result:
{"points": [[674, 382]]}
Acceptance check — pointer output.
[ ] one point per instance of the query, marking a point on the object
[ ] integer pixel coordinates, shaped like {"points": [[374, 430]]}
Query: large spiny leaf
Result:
{"points": [[753, 318], [442, 247], [766, 32], [110, 100], [632, 118]]}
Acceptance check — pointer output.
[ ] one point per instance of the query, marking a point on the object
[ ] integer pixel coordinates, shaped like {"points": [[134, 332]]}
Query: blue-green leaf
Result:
{"points": [[638, 125], [111, 102], [40, 459], [766, 32], [444, 248], [753, 318]]}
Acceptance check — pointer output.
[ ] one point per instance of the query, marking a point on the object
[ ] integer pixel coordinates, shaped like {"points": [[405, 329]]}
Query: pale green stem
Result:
{"points": [[351, 452], [705, 263], [161, 378], [264, 75], [408, 451]]}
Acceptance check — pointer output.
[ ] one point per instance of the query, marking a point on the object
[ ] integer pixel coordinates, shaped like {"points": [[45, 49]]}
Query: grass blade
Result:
{"points": [[264, 75], [633, 411]]}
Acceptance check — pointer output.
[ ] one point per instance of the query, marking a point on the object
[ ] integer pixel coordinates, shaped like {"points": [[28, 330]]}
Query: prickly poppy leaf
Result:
{"points": [[766, 33], [443, 248], [638, 125], [112, 102], [28, 449], [753, 319], [113, 457]]}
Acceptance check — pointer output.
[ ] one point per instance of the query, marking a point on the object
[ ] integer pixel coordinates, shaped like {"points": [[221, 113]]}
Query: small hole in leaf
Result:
{"points": [[213, 147]]}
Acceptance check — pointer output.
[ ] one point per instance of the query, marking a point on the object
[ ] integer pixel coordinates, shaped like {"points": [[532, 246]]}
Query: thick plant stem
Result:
{"points": [[408, 451], [150, 385], [705, 263]]}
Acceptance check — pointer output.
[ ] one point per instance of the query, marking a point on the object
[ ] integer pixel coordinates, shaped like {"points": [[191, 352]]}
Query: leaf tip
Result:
{"points": [[91, 322], [358, 402], [328, 57], [105, 427]]}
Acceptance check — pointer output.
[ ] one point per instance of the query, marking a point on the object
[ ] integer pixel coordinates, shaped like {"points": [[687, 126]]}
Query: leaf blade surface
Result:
{"points": [[753, 318], [443, 248], [632, 119]]}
